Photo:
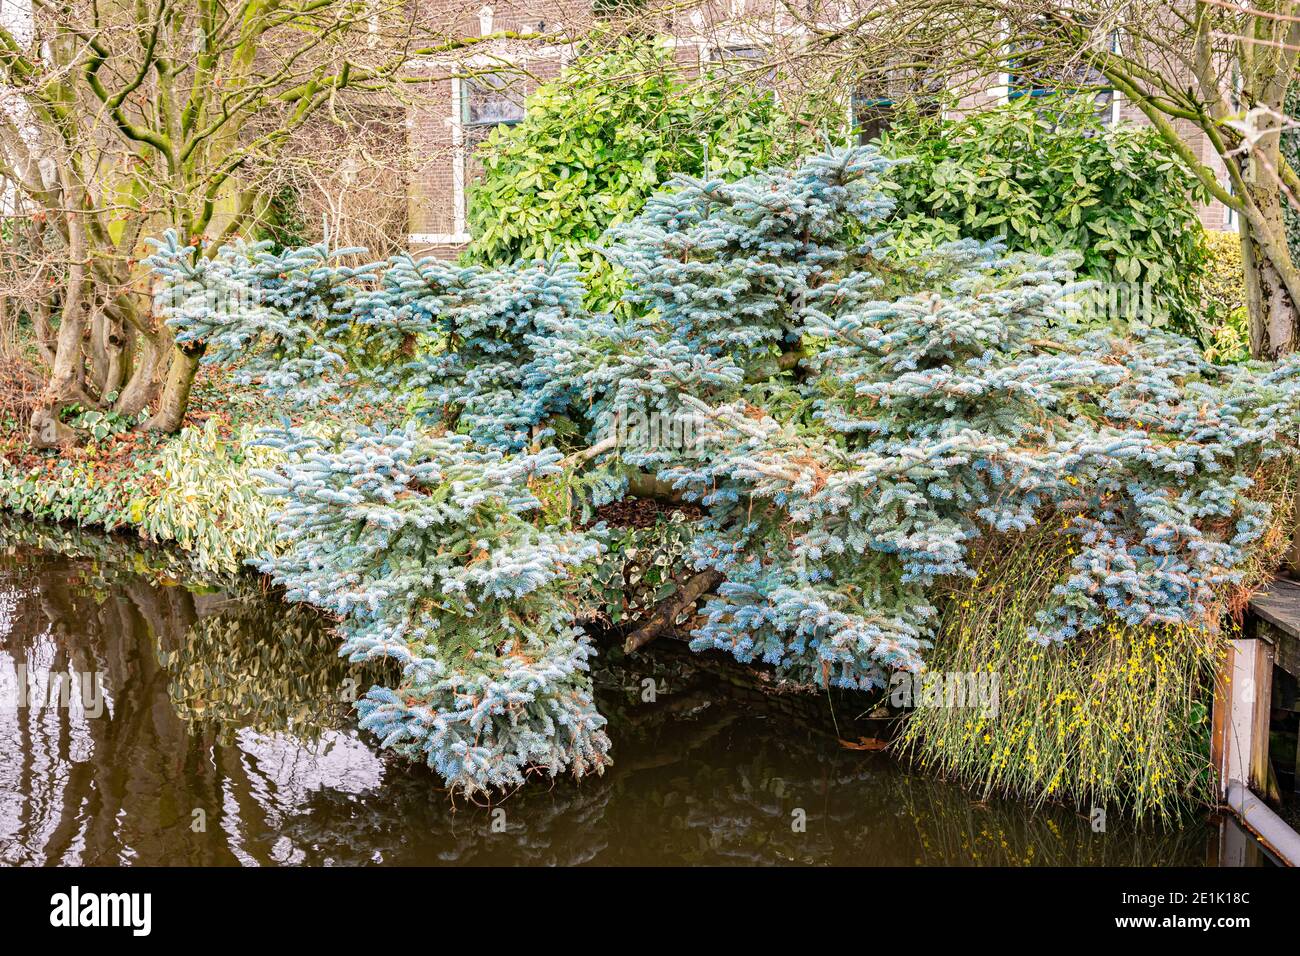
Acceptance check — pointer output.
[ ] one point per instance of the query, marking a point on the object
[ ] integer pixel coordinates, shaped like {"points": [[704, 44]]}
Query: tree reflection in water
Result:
{"points": [[226, 738]]}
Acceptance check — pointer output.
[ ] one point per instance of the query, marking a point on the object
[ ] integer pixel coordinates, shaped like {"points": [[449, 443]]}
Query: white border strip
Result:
{"points": [[438, 238]]}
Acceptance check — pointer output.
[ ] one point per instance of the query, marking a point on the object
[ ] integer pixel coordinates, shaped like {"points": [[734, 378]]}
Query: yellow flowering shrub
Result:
{"points": [[1117, 718]]}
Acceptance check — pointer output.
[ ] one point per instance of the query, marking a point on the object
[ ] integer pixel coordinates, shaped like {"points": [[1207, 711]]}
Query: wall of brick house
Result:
{"points": [[442, 167], [429, 135]]}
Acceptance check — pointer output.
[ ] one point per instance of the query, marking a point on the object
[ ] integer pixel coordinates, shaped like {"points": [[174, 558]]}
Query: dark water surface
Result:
{"points": [[204, 726]]}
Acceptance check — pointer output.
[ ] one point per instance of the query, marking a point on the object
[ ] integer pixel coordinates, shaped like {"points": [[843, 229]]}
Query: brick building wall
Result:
{"points": [[441, 141]]}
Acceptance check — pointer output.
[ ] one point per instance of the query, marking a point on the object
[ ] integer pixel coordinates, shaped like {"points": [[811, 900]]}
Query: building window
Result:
{"points": [[871, 116], [743, 60], [491, 100], [1027, 75], [1031, 75], [486, 102], [741, 56], [482, 103], [875, 105], [1231, 222]]}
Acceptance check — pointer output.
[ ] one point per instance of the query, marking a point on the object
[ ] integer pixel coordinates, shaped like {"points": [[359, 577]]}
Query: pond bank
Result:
{"points": [[194, 490]]}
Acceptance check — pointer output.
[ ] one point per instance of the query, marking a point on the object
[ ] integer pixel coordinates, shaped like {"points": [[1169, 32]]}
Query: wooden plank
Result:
{"points": [[1287, 654], [1272, 831], [1219, 721], [1277, 608], [1295, 780], [1239, 722], [1279, 604], [1261, 708]]}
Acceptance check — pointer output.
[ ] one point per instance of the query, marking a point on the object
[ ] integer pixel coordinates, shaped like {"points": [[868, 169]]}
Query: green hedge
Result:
{"points": [[1047, 176], [197, 492]]}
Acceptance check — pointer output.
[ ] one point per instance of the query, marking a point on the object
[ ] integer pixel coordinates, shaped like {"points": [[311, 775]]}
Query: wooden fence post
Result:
{"points": [[1239, 726]]}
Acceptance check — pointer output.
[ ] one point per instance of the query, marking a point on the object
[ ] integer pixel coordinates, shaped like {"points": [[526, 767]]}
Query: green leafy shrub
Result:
{"points": [[71, 491], [1046, 182], [1222, 290], [197, 492], [284, 225], [96, 424], [206, 498], [598, 141]]}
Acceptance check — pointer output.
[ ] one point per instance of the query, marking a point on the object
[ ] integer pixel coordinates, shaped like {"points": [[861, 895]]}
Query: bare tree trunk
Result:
{"points": [[44, 334], [97, 352], [118, 357], [65, 378], [176, 391], [1271, 281], [147, 370], [1274, 323]]}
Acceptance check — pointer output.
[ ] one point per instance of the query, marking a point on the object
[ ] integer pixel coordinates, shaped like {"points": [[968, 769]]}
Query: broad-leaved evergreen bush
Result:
{"points": [[853, 423], [598, 141], [1054, 179], [196, 491], [1222, 292]]}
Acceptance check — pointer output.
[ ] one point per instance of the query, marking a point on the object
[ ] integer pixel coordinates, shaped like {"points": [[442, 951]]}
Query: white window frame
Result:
{"points": [[460, 234], [1231, 218], [1002, 92]]}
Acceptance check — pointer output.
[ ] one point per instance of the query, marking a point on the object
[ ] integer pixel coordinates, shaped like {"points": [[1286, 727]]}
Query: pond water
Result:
{"points": [[146, 718]]}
